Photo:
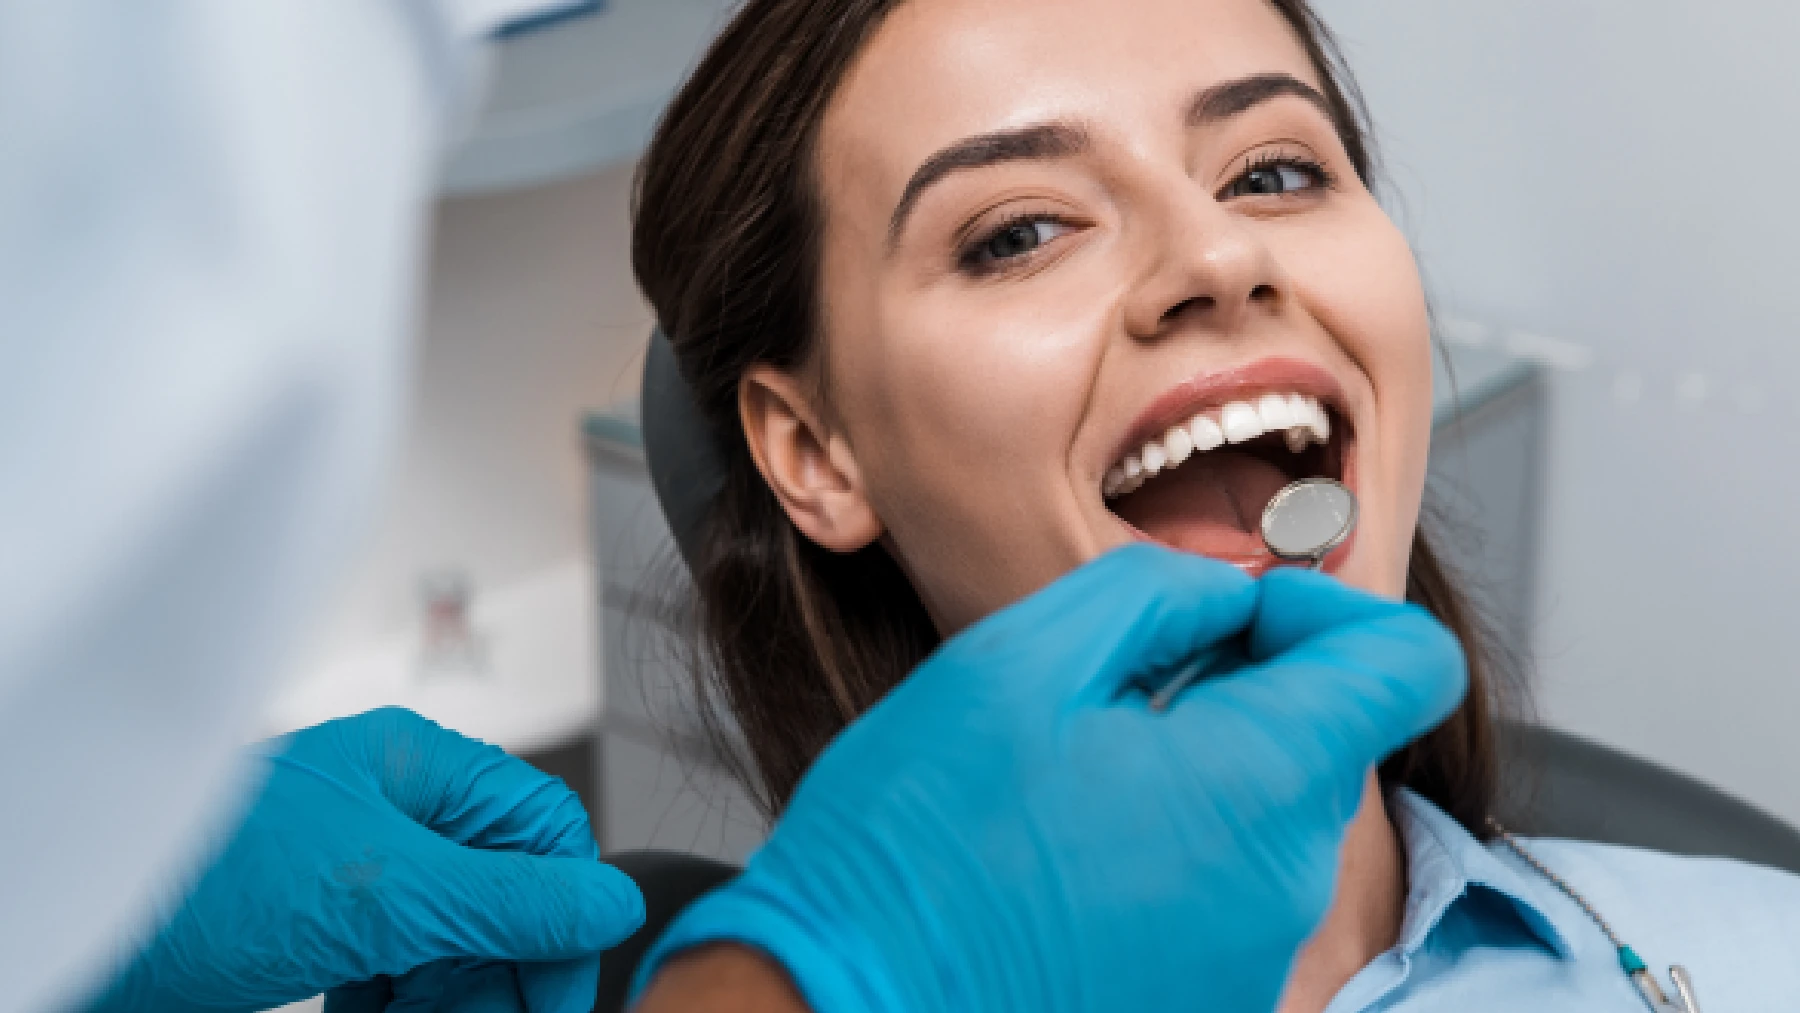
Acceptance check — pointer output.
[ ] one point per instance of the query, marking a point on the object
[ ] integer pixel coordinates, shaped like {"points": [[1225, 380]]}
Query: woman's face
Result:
{"points": [[1066, 241]]}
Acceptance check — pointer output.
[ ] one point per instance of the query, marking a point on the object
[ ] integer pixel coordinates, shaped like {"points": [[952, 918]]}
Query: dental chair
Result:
{"points": [[1569, 786]]}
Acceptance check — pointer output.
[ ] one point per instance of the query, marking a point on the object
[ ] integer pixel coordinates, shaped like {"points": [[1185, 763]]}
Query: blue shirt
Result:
{"points": [[1484, 931]]}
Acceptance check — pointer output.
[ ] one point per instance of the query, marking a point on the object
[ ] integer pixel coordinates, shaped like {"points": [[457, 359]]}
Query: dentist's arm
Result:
{"points": [[1013, 828], [212, 217]]}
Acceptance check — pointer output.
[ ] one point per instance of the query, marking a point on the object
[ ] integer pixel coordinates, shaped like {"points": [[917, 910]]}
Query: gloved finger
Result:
{"points": [[458, 987], [1133, 612], [496, 990], [474, 793], [1314, 721], [360, 997], [508, 906], [1349, 695], [1293, 605], [1406, 656], [567, 986]]}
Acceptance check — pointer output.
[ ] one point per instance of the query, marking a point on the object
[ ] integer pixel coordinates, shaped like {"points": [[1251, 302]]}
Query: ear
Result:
{"points": [[811, 470]]}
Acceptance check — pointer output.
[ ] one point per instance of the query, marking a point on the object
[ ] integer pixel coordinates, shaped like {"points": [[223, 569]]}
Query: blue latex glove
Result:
{"points": [[1013, 828], [385, 845]]}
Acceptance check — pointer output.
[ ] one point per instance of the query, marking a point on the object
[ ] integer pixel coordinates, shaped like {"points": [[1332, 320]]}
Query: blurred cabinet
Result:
{"points": [[569, 95], [1485, 487]]}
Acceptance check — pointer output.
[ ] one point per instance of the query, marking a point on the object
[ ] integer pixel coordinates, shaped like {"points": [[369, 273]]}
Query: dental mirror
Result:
{"points": [[1307, 519], [1302, 524]]}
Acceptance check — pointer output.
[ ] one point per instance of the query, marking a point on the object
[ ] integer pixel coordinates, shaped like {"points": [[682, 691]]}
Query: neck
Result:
{"points": [[1365, 915]]}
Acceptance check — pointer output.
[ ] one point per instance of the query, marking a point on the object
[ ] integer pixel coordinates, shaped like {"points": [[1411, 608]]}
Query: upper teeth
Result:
{"points": [[1302, 419]]}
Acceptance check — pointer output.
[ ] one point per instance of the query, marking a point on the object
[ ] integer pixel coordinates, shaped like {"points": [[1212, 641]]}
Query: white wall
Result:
{"points": [[1618, 176], [531, 317]]}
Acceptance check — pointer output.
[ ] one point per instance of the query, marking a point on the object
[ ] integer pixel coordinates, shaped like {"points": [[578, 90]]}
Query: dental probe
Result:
{"points": [[1301, 524], [1633, 965]]}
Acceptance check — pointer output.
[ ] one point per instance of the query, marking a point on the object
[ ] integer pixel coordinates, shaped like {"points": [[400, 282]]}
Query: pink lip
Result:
{"points": [[1241, 383], [1261, 563]]}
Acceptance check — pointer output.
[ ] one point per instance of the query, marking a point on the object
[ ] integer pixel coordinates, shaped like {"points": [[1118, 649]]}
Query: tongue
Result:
{"points": [[1211, 505]]}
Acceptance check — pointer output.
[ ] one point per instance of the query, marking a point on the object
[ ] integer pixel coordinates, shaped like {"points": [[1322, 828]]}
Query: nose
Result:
{"points": [[1203, 269]]}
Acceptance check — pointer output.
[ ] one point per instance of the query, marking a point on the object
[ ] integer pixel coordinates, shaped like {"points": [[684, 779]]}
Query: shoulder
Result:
{"points": [[1734, 925], [1641, 866]]}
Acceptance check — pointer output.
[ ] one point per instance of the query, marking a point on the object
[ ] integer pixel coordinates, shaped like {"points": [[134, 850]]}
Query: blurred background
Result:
{"points": [[1599, 184], [1597, 191]]}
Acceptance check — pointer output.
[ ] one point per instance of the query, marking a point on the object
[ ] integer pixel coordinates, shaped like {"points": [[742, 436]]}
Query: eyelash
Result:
{"points": [[1322, 178], [969, 259]]}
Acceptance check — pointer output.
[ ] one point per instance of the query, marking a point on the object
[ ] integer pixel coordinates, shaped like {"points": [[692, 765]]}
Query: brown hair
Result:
{"points": [[796, 641]]}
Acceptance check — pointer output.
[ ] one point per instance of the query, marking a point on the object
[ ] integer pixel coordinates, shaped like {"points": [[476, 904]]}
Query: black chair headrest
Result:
{"points": [[685, 468]]}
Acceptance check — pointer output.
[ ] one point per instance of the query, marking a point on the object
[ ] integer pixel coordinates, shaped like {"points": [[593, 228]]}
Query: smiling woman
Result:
{"points": [[935, 270], [776, 208], [970, 293]]}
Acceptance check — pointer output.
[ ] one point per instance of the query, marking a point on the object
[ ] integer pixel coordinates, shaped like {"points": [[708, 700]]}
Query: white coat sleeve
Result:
{"points": [[211, 215]]}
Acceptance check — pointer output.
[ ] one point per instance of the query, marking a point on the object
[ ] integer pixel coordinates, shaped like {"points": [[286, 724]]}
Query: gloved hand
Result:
{"points": [[383, 844], [1013, 828]]}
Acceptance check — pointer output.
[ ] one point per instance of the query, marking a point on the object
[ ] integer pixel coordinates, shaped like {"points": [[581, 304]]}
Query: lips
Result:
{"points": [[1199, 465]]}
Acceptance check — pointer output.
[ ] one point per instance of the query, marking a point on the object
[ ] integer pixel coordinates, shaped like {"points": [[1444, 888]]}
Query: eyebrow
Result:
{"points": [[1035, 143], [1060, 140], [1231, 98]]}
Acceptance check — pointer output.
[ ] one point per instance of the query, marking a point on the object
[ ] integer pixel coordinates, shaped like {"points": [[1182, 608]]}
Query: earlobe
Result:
{"points": [[811, 470]]}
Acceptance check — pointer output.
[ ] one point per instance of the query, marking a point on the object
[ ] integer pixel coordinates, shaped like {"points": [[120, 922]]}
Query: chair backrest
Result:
{"points": [[685, 468], [1574, 787], [670, 882]]}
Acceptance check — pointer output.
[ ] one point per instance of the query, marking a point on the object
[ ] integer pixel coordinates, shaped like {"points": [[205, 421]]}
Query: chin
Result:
{"points": [[1379, 568]]}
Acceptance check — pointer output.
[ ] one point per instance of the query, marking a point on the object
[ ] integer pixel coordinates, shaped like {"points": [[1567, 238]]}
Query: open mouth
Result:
{"points": [[1202, 484]]}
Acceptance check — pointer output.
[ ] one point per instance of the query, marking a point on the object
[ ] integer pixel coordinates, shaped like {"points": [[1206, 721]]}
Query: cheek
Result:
{"points": [[962, 405], [1392, 339], [1362, 284], [990, 380]]}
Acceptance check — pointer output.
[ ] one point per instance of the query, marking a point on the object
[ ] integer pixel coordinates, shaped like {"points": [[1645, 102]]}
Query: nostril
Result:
{"points": [[1262, 293], [1198, 304]]}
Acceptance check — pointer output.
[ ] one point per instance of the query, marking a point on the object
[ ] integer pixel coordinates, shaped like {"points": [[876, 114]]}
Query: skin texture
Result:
{"points": [[966, 418], [725, 979]]}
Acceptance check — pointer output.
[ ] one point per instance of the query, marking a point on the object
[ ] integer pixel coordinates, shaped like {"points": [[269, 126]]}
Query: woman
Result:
{"points": [[972, 292]]}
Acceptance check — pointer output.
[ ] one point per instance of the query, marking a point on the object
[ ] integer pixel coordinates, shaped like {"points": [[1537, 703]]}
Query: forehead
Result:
{"points": [[938, 71]]}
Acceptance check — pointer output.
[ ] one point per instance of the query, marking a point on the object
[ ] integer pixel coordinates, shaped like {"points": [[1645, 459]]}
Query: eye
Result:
{"points": [[1276, 175], [1011, 240]]}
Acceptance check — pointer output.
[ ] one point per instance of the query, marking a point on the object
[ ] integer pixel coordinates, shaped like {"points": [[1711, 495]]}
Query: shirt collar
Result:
{"points": [[1443, 860]]}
